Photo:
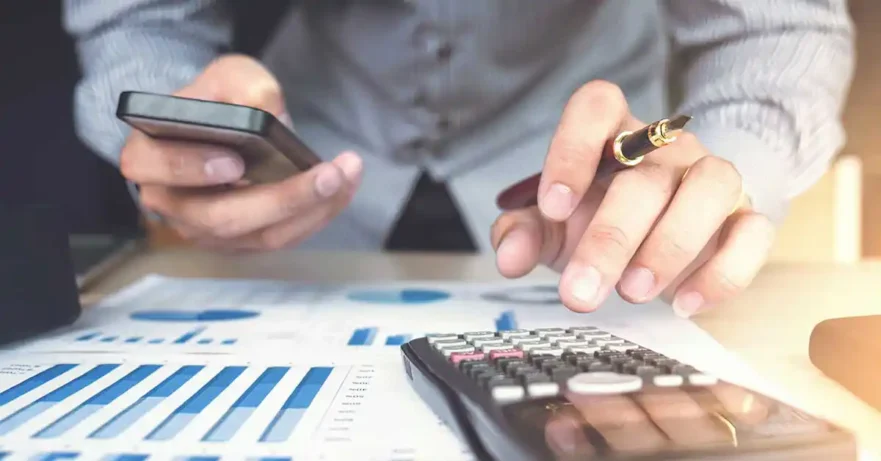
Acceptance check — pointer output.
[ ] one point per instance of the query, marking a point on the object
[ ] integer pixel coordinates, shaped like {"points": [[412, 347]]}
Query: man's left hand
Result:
{"points": [[647, 231]]}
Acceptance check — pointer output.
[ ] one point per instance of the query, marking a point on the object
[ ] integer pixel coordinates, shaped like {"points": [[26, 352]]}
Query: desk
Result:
{"points": [[768, 326]]}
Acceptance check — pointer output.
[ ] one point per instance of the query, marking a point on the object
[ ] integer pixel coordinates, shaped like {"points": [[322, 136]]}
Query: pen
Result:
{"points": [[627, 150]]}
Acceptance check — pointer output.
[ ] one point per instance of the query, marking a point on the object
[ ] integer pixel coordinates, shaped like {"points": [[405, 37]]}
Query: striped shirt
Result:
{"points": [[471, 90]]}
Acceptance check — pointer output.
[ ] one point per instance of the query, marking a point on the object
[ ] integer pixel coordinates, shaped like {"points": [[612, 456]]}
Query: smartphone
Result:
{"points": [[271, 151]]}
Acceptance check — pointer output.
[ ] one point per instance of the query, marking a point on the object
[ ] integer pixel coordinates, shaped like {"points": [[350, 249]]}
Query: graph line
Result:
{"points": [[34, 382], [282, 426], [242, 409]]}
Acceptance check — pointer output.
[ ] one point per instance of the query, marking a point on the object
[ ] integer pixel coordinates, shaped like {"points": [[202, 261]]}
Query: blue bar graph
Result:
{"points": [[188, 336], [59, 455], [227, 342], [362, 337], [506, 321], [155, 341], [96, 402], [195, 404], [134, 339], [108, 339], [119, 423], [242, 409], [204, 341], [282, 426], [23, 415], [126, 457], [34, 382], [396, 340], [88, 336]]}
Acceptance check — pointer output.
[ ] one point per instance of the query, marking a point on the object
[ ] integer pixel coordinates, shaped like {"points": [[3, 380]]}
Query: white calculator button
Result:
{"points": [[555, 351], [700, 379], [561, 337], [668, 380], [507, 393], [606, 342], [548, 331], [533, 346], [494, 347], [591, 335], [580, 330], [441, 345], [543, 389], [435, 337], [525, 340], [462, 349], [603, 383], [624, 347], [472, 335], [486, 341], [512, 333], [568, 344], [590, 350]]}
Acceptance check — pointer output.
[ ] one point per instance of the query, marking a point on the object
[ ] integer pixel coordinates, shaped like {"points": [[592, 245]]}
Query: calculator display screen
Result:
{"points": [[661, 421]]}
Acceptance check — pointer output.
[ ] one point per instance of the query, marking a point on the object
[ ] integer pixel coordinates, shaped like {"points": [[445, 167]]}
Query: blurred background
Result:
{"points": [[41, 160]]}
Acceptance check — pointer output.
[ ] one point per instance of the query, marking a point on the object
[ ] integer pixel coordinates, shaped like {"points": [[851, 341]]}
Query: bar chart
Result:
{"points": [[406, 296], [367, 336], [107, 384], [193, 336]]}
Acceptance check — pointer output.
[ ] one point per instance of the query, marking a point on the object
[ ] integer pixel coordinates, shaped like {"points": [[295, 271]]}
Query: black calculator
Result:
{"points": [[581, 393]]}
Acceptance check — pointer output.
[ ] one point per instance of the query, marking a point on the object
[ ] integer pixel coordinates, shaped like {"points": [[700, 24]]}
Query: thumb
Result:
{"points": [[238, 79]]}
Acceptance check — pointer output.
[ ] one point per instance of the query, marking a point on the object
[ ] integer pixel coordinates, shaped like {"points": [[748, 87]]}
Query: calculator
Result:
{"points": [[581, 393]]}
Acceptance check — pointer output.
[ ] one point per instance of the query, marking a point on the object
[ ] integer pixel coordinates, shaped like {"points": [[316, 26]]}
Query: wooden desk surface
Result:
{"points": [[768, 326]]}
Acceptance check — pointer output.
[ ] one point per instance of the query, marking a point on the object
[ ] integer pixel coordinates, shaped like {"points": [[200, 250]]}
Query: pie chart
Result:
{"points": [[206, 315], [413, 296]]}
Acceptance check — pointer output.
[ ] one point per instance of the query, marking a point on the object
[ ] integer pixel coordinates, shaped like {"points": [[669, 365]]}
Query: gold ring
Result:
{"points": [[619, 155]]}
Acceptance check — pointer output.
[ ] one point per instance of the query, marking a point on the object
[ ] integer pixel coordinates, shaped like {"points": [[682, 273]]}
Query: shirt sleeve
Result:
{"points": [[139, 45], [766, 82]]}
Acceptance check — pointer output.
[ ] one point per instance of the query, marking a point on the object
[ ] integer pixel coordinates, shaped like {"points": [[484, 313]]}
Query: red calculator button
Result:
{"points": [[457, 357], [506, 353]]}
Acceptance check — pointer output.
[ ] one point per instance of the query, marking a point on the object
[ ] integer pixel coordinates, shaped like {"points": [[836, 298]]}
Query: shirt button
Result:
{"points": [[445, 52]]}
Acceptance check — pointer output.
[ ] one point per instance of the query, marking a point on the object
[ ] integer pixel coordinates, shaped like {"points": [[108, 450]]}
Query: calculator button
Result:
{"points": [[629, 367], [607, 341], [525, 339], [445, 343], [600, 366], [589, 350], [495, 347], [513, 333], [623, 347], [581, 330], [545, 389], [499, 380], [474, 367], [472, 335], [457, 357], [507, 392], [506, 353], [603, 383], [556, 352], [480, 342], [575, 343], [520, 372], [484, 377], [435, 337], [589, 335], [507, 364], [535, 377], [461, 349], [668, 380], [700, 379], [561, 337], [549, 365], [548, 331], [533, 346], [647, 372]]}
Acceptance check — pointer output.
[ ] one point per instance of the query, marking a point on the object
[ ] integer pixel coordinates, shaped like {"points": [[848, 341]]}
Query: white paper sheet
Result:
{"points": [[355, 404]]}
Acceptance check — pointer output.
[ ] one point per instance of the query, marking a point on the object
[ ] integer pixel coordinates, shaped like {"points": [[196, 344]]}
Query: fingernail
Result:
{"points": [[687, 304], [585, 283], [637, 283], [511, 247], [328, 181], [351, 165], [558, 202], [223, 168]]}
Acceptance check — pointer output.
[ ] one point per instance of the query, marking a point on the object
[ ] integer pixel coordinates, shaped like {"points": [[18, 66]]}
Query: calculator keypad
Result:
{"points": [[522, 364]]}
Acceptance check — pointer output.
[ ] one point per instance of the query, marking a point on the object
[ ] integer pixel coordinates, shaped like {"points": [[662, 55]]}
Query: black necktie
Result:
{"points": [[430, 222]]}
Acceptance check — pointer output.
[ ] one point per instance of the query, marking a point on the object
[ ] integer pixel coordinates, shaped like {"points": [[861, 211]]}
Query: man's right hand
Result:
{"points": [[188, 184]]}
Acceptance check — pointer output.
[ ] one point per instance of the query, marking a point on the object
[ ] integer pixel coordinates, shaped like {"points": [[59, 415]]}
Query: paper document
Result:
{"points": [[238, 369]]}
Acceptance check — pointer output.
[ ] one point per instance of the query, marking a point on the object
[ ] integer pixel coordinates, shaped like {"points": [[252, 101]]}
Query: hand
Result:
{"points": [[199, 189], [647, 231]]}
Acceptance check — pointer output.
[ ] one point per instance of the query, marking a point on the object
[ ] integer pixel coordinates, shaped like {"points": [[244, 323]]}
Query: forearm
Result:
{"points": [[766, 86], [143, 45]]}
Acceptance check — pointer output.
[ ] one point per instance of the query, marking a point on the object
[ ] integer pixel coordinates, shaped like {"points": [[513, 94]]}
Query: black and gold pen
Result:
{"points": [[626, 150]]}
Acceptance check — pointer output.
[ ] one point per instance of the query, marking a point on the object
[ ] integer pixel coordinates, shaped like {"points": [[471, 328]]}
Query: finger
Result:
{"points": [[744, 406], [630, 208], [145, 161], [699, 207], [523, 239], [594, 114], [746, 240], [681, 418], [564, 435], [233, 213], [624, 426], [238, 79]]}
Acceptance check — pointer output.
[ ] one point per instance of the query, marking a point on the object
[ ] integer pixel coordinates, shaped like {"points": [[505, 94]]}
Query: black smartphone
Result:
{"points": [[271, 151]]}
